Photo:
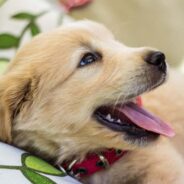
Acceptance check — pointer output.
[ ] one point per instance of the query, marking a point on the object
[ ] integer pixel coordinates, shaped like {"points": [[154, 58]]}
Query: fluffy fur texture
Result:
{"points": [[47, 103]]}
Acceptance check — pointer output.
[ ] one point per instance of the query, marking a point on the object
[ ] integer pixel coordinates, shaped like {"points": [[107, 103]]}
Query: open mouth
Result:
{"points": [[133, 120]]}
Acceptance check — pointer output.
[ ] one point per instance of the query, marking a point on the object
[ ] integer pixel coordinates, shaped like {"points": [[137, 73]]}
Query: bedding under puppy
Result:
{"points": [[72, 92]]}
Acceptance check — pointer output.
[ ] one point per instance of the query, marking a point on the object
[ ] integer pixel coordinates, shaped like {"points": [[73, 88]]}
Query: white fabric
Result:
{"points": [[11, 156], [54, 17]]}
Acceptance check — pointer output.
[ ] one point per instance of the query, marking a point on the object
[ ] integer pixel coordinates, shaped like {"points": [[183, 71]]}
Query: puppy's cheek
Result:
{"points": [[104, 137]]}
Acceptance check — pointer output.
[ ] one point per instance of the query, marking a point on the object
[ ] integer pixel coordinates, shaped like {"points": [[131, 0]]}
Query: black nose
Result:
{"points": [[157, 59]]}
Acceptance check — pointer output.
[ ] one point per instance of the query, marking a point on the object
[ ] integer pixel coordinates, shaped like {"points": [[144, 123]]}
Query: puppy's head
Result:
{"points": [[51, 94]]}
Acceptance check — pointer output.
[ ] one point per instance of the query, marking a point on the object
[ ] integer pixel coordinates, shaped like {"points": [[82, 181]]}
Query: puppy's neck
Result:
{"points": [[47, 148], [37, 144]]}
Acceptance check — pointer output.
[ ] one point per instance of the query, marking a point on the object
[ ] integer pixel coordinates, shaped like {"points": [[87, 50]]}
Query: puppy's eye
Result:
{"points": [[89, 58]]}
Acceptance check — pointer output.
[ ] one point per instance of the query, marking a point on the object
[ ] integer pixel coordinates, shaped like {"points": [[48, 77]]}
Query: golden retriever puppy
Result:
{"points": [[72, 91]]}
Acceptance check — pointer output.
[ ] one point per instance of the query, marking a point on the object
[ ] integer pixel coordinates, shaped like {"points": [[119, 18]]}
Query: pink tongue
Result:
{"points": [[146, 120]]}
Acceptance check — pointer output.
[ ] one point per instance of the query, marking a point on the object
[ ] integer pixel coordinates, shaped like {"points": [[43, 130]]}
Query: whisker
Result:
{"points": [[116, 102]]}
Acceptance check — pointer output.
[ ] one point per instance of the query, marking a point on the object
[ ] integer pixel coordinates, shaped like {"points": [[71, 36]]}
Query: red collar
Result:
{"points": [[95, 162]]}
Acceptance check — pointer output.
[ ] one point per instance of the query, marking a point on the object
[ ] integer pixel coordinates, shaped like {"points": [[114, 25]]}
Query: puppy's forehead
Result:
{"points": [[91, 28]]}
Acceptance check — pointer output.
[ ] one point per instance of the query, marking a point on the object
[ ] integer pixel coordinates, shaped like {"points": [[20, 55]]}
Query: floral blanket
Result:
{"points": [[20, 20], [19, 167]]}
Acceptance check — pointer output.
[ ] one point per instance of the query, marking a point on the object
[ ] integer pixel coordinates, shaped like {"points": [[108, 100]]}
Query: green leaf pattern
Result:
{"points": [[37, 164], [33, 169], [8, 41], [23, 16], [36, 178], [34, 29]]}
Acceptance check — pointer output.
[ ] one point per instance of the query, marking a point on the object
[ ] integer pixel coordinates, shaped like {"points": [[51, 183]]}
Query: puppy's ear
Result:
{"points": [[13, 92]]}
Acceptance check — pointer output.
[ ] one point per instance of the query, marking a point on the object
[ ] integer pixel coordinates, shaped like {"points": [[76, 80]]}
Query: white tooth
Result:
{"points": [[108, 117], [112, 119], [119, 121]]}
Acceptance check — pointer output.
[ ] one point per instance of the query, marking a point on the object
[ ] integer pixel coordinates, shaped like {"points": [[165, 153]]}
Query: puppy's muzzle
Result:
{"points": [[157, 59]]}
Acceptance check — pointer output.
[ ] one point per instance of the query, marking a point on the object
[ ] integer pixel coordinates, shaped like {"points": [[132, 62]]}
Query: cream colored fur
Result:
{"points": [[47, 103]]}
